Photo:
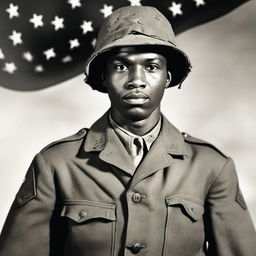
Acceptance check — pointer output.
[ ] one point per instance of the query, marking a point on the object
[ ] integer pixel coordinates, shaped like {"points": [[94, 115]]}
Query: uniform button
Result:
{"points": [[136, 197], [136, 247], [186, 135], [82, 214], [81, 131]]}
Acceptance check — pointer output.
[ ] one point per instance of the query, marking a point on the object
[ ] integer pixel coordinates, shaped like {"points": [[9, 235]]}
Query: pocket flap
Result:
{"points": [[83, 210], [192, 206]]}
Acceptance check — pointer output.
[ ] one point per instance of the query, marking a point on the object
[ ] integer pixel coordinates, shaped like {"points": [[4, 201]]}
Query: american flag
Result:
{"points": [[43, 43]]}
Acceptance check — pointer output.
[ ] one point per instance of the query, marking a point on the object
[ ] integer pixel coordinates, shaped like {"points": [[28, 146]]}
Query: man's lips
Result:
{"points": [[133, 95], [135, 98]]}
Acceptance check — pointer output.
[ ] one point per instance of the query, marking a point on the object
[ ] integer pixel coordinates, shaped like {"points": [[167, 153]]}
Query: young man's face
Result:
{"points": [[135, 82]]}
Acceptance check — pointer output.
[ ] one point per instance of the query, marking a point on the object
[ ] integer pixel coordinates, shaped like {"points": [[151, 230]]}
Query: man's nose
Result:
{"points": [[136, 78]]}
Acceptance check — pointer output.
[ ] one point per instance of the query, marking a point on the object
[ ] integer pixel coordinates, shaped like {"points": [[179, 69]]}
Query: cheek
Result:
{"points": [[158, 84], [115, 83], [158, 95], [157, 78], [115, 89]]}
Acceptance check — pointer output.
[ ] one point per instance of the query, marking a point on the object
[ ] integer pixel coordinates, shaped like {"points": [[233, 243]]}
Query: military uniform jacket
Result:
{"points": [[81, 198]]}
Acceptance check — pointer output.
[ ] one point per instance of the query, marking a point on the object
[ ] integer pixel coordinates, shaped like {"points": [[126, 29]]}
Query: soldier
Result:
{"points": [[132, 183]]}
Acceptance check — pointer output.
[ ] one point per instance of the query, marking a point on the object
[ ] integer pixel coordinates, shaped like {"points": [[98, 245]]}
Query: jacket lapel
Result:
{"points": [[168, 145], [114, 153], [102, 138], [156, 159]]}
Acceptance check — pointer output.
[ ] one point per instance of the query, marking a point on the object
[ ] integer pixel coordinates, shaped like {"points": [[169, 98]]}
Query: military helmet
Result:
{"points": [[142, 26]]}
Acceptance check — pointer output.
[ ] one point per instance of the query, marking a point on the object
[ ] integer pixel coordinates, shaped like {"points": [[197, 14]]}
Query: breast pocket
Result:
{"points": [[184, 231], [91, 227]]}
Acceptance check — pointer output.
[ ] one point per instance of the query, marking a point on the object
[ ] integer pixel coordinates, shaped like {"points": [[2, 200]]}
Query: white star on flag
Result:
{"points": [[58, 23], [50, 53], [15, 37], [28, 56], [74, 43], [74, 3], [176, 9], [106, 10], [9, 67], [135, 2], [1, 55], [199, 2], [67, 59], [37, 20], [86, 26], [39, 68], [13, 11]]}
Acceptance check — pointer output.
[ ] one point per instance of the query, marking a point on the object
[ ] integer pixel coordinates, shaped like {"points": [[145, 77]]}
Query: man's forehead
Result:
{"points": [[135, 52]]}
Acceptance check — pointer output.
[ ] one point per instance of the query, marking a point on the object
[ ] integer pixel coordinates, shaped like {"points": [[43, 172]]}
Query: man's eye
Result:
{"points": [[152, 67], [120, 67]]}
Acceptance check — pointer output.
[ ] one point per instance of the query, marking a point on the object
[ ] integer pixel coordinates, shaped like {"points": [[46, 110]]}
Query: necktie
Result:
{"points": [[137, 150]]}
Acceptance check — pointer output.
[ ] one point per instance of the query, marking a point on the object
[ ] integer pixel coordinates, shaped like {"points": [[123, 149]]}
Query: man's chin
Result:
{"points": [[137, 114]]}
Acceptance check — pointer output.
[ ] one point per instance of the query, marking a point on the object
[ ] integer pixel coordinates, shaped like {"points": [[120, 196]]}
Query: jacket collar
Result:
{"points": [[101, 137], [173, 139]]}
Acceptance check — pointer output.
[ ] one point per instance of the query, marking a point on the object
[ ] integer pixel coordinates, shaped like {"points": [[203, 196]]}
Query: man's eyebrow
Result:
{"points": [[118, 58], [153, 59]]}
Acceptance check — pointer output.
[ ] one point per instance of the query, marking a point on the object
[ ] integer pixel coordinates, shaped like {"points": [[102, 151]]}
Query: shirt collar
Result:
{"points": [[127, 137], [101, 131]]}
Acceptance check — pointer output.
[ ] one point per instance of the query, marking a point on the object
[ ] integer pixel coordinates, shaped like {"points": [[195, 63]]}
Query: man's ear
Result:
{"points": [[168, 79]]}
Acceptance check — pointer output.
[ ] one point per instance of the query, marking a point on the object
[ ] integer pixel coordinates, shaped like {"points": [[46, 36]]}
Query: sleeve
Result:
{"points": [[231, 231], [31, 224]]}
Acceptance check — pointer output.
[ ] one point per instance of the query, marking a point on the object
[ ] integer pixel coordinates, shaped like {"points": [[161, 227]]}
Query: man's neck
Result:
{"points": [[138, 127]]}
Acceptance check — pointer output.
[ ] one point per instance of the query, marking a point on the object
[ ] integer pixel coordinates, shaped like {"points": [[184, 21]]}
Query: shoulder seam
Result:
{"points": [[228, 159], [202, 143], [82, 132]]}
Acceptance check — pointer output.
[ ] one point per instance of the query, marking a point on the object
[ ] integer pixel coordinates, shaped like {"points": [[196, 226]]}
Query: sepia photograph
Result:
{"points": [[128, 128]]}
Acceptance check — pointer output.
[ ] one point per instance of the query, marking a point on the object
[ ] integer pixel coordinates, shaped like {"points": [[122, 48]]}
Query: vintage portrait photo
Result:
{"points": [[127, 128]]}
